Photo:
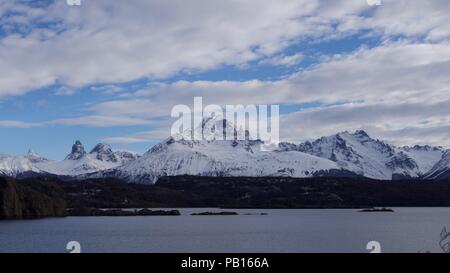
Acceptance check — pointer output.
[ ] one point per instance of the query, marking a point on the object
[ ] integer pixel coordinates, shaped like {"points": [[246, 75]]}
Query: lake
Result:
{"points": [[297, 230]]}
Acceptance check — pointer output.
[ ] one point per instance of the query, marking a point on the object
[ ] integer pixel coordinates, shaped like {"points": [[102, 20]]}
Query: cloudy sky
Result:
{"points": [[112, 70]]}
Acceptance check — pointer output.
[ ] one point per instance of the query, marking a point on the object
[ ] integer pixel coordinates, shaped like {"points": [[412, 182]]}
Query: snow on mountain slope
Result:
{"points": [[440, 170], [341, 154], [69, 167], [373, 158], [78, 162], [426, 157], [220, 158], [105, 153], [213, 156], [18, 165]]}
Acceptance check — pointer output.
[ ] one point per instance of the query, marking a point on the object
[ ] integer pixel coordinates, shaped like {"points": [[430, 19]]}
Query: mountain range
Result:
{"points": [[342, 154], [76, 163]]}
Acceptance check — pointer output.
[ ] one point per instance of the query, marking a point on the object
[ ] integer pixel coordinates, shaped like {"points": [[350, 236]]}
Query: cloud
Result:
{"points": [[142, 137], [382, 89], [108, 89], [416, 18], [391, 72], [115, 41], [398, 89], [287, 61], [64, 91], [97, 121], [106, 41], [393, 121], [16, 124]]}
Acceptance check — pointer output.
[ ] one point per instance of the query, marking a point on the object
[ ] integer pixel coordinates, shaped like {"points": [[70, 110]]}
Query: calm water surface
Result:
{"points": [[304, 230]]}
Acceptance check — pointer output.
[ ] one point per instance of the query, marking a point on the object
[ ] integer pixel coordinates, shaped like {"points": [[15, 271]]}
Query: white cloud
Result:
{"points": [[108, 89], [415, 18], [143, 137], [386, 120], [64, 91], [115, 41], [394, 86], [98, 121], [16, 124], [392, 72], [288, 61]]}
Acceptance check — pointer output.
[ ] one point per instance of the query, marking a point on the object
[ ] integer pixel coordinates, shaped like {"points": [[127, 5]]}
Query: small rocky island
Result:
{"points": [[377, 210], [119, 212], [226, 213]]}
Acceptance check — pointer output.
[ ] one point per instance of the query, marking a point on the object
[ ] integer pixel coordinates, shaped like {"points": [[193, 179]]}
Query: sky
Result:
{"points": [[111, 71]]}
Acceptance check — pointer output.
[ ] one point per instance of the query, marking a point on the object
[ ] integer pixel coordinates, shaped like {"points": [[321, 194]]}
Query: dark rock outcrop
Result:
{"points": [[20, 201], [223, 213], [377, 210], [119, 212]]}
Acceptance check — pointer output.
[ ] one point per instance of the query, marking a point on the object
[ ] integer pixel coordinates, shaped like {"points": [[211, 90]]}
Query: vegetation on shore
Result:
{"points": [[18, 201], [49, 196]]}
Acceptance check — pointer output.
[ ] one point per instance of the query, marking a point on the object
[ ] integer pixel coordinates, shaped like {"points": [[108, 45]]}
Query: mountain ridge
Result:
{"points": [[77, 162], [341, 154]]}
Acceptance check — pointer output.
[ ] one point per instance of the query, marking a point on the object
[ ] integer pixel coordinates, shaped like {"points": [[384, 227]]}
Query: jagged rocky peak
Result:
{"points": [[364, 138], [104, 152], [219, 128], [361, 133], [423, 148], [212, 128], [287, 146], [127, 156], [101, 148], [34, 157], [32, 153], [77, 151]]}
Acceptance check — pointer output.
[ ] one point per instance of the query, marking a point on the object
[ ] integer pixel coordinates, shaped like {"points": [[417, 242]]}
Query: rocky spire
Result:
{"points": [[77, 151]]}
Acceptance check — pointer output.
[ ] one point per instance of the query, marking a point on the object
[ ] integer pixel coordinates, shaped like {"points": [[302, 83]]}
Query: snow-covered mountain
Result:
{"points": [[340, 154], [20, 165], [78, 162], [219, 158], [426, 157], [373, 158], [343, 153], [442, 169], [237, 155]]}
